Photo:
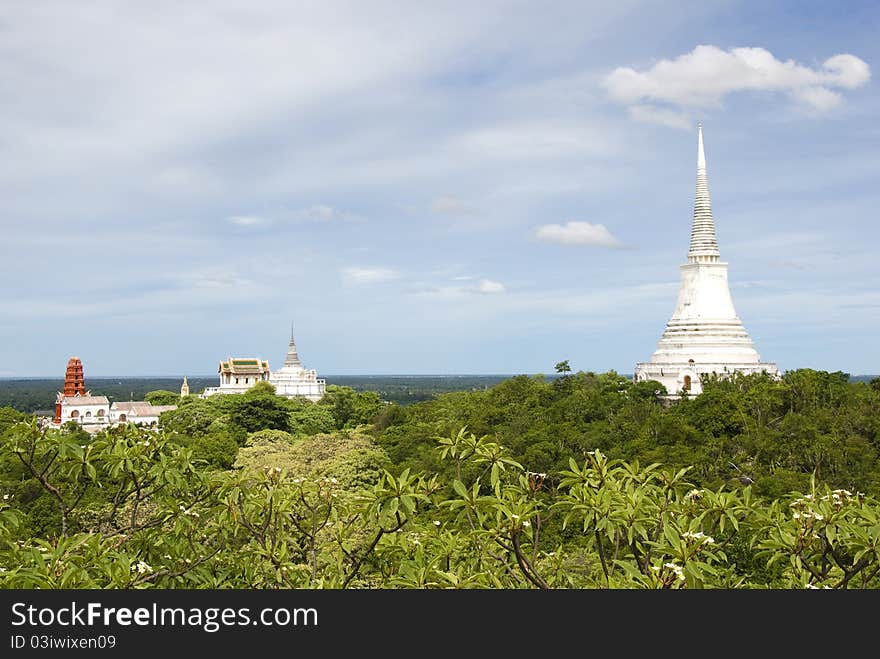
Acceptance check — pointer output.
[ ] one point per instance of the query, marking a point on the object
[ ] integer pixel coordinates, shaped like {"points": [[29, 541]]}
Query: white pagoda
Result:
{"points": [[292, 380], [704, 335]]}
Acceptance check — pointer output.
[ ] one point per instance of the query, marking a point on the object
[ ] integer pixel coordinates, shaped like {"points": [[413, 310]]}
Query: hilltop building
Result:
{"points": [[237, 375], [87, 410], [184, 388], [704, 335], [292, 380], [94, 413]]}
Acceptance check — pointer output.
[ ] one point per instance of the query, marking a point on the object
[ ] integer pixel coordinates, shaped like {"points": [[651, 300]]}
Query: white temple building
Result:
{"points": [[292, 380], [704, 335], [139, 412], [94, 413], [87, 410], [237, 375]]}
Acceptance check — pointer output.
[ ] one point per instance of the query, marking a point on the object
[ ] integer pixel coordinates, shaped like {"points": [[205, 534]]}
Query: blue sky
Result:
{"points": [[449, 187]]}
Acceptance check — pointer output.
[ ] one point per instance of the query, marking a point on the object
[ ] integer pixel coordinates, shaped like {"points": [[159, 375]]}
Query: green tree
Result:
{"points": [[308, 418], [258, 409], [193, 417], [351, 408], [563, 367], [162, 397]]}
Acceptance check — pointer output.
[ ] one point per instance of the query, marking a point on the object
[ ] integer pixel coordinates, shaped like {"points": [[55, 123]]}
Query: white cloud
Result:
{"points": [[577, 233], [489, 286], [702, 78], [356, 275], [651, 114]]}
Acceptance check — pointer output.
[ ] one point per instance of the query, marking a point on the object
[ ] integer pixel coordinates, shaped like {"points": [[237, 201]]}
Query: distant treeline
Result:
{"points": [[38, 395]]}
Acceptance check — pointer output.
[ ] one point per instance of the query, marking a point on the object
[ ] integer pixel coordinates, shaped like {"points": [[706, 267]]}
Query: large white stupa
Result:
{"points": [[704, 335], [293, 381]]}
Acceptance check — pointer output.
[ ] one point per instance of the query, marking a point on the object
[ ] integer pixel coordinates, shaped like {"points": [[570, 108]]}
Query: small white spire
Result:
{"points": [[701, 154]]}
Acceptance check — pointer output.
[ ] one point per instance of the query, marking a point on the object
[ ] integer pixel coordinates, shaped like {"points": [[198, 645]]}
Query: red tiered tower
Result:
{"points": [[73, 384]]}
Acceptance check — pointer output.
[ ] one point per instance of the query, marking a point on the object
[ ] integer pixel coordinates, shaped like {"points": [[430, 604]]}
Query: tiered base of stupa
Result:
{"points": [[294, 382], [690, 349]]}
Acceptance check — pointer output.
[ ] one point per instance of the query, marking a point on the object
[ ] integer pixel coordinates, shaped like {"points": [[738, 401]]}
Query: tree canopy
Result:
{"points": [[594, 483]]}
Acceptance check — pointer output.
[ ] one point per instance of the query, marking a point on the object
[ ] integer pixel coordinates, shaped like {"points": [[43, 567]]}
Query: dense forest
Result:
{"points": [[583, 480], [37, 395]]}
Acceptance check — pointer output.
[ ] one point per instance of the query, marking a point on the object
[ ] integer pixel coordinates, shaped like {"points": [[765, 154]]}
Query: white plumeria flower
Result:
{"points": [[677, 569], [141, 567]]}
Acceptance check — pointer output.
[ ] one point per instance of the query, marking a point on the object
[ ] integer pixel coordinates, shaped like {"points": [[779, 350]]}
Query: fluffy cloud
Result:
{"points": [[577, 233], [702, 78], [356, 275]]}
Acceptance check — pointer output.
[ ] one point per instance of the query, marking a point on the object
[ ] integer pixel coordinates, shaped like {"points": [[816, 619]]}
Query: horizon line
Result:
{"points": [[373, 375]]}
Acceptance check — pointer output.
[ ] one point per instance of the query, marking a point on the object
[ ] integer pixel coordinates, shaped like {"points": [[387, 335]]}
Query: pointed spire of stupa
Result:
{"points": [[292, 358], [704, 246]]}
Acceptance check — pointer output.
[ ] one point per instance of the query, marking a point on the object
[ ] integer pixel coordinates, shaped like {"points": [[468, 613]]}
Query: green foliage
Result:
{"points": [[775, 433], [581, 481], [823, 539], [193, 417], [308, 418], [351, 408], [162, 397], [216, 450], [351, 459], [9, 417], [258, 409]]}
